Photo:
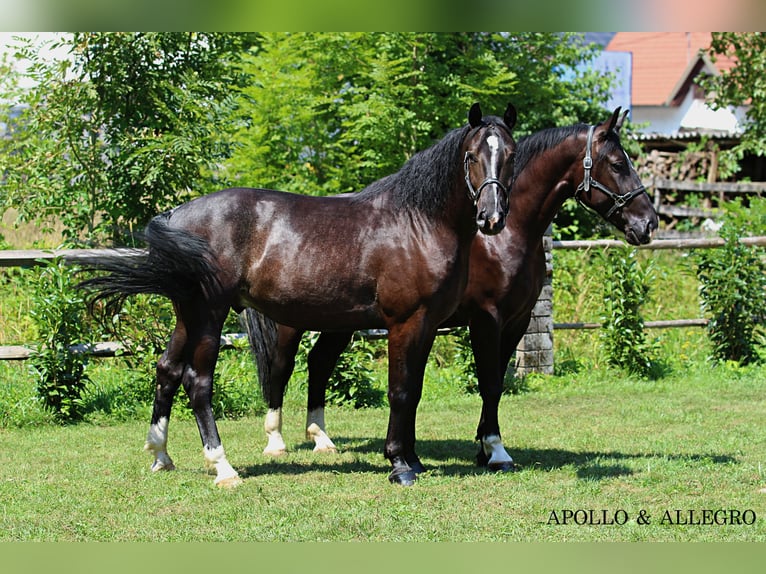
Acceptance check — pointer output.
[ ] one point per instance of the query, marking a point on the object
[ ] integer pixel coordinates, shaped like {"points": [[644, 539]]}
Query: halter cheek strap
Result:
{"points": [[473, 193], [620, 201]]}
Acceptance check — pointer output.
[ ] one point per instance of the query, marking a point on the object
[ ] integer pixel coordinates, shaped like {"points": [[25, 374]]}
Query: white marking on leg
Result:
{"points": [[215, 460], [157, 443], [273, 426], [495, 451], [315, 429]]}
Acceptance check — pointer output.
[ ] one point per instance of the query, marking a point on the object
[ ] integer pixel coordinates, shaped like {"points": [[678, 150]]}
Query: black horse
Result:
{"points": [[394, 256], [505, 278]]}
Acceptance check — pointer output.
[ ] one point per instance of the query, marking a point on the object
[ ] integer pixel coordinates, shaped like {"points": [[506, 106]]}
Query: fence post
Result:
{"points": [[535, 351]]}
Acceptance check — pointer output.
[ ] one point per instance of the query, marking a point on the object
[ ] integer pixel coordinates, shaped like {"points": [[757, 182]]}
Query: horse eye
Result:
{"points": [[472, 157]]}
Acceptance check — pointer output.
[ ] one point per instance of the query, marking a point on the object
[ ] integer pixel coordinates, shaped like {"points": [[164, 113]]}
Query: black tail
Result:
{"points": [[178, 265], [262, 334]]}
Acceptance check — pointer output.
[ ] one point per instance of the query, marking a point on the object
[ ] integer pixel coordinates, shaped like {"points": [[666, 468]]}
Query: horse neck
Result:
{"points": [[545, 183]]}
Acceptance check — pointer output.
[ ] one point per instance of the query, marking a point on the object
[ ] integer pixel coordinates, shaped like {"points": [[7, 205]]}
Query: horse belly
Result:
{"points": [[315, 298]]}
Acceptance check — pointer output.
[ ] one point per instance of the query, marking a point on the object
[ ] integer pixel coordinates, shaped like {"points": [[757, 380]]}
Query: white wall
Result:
{"points": [[691, 114]]}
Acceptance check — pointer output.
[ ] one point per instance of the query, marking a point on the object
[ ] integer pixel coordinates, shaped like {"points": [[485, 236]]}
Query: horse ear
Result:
{"points": [[621, 121], [613, 119], [474, 115], [509, 117]]}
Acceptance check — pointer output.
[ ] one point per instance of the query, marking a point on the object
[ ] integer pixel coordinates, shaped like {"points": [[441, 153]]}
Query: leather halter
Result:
{"points": [[473, 193], [620, 201]]}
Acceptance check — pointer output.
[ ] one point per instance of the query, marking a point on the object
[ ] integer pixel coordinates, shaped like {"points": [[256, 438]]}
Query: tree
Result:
{"points": [[332, 112], [126, 126], [743, 84]]}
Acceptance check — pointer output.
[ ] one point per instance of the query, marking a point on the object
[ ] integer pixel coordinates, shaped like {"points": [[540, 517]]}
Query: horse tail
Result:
{"points": [[178, 264], [262, 335]]}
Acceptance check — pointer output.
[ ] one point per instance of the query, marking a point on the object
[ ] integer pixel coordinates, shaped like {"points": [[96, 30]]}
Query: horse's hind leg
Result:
{"points": [[201, 352], [321, 363], [281, 370], [170, 369]]}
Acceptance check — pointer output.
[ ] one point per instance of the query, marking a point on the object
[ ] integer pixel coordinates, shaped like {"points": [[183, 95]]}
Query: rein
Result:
{"points": [[620, 201]]}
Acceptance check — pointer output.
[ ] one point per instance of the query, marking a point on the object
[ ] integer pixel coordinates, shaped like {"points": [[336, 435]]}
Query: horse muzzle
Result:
{"points": [[490, 223], [641, 232]]}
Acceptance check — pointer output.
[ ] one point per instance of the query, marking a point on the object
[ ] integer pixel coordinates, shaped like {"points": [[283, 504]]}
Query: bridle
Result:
{"points": [[620, 201], [473, 193]]}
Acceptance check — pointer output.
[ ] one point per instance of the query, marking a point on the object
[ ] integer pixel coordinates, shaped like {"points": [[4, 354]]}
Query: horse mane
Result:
{"points": [[422, 184], [534, 144]]}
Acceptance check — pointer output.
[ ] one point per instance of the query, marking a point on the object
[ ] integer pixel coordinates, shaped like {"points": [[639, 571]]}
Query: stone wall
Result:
{"points": [[535, 351]]}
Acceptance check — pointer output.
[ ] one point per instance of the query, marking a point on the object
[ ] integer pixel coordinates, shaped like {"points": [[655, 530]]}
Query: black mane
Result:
{"points": [[422, 184], [533, 145]]}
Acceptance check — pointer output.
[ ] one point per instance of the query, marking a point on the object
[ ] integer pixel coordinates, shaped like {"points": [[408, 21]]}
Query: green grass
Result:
{"points": [[594, 440]]}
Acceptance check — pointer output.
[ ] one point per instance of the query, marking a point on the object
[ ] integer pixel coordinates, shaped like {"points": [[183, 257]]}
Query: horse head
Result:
{"points": [[489, 150], [610, 185]]}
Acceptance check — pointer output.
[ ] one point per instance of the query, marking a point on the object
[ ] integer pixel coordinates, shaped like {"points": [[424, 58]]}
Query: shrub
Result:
{"points": [[733, 295], [626, 285], [351, 381], [59, 313]]}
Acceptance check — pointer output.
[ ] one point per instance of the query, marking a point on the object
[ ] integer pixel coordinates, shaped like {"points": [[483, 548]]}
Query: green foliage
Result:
{"points": [[235, 390], [743, 84], [352, 381], [120, 130], [59, 314], [626, 285], [331, 112], [733, 292]]}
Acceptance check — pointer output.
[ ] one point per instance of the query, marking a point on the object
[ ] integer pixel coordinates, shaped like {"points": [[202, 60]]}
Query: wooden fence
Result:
{"points": [[534, 354]]}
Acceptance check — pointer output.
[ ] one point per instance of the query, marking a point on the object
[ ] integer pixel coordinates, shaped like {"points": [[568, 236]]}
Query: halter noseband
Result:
{"points": [[620, 201]]}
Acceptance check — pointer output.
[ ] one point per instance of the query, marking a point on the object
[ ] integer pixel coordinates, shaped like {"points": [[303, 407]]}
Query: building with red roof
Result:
{"points": [[665, 95]]}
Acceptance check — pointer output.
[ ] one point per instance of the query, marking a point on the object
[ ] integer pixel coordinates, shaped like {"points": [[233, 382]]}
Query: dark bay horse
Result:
{"points": [[505, 278], [393, 256]]}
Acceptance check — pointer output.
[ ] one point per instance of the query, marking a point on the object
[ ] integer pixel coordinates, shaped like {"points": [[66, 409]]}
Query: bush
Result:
{"points": [[733, 292], [59, 313], [351, 381], [626, 285]]}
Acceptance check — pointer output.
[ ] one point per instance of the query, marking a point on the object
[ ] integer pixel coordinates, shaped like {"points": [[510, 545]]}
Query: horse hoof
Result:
{"points": [[275, 452], [326, 449], [403, 477], [231, 482], [417, 467], [505, 466], [158, 466]]}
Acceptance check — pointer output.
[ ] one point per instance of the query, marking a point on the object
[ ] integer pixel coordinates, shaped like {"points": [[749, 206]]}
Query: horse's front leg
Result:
{"points": [[490, 369], [321, 363], [408, 347]]}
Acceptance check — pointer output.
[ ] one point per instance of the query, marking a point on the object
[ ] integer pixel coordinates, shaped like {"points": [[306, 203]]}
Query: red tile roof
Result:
{"points": [[662, 61]]}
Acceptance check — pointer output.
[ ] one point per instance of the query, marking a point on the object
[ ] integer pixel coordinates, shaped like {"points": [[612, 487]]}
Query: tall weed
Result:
{"points": [[733, 291]]}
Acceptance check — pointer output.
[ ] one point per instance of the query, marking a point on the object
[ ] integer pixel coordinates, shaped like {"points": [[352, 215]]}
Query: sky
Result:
{"points": [[8, 41]]}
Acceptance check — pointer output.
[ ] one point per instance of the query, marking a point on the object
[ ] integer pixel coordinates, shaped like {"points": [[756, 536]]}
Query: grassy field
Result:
{"points": [[591, 441], [588, 439]]}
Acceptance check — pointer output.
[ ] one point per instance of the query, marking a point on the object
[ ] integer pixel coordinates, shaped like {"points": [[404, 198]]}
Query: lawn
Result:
{"points": [[591, 441]]}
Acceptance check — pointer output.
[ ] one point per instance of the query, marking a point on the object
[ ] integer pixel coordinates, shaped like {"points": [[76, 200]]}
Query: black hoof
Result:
{"points": [[481, 458], [509, 466], [403, 477], [417, 466]]}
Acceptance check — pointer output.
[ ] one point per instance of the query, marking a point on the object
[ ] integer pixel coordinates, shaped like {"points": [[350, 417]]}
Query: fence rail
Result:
{"points": [[33, 257]]}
